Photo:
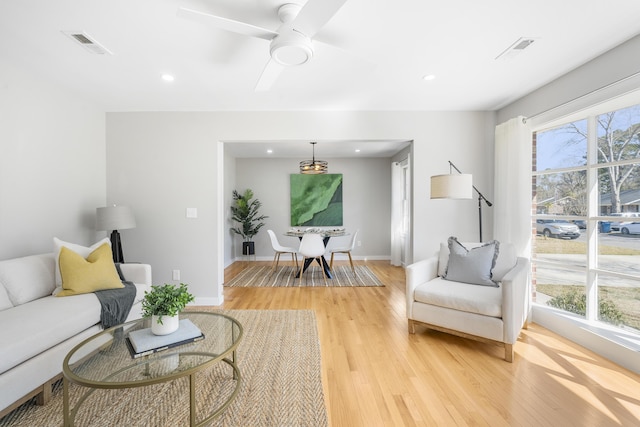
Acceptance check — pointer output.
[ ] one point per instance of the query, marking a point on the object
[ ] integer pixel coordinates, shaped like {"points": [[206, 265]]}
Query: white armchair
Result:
{"points": [[493, 313]]}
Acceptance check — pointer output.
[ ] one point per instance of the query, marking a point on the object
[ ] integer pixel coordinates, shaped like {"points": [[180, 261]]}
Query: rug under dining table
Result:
{"points": [[286, 276]]}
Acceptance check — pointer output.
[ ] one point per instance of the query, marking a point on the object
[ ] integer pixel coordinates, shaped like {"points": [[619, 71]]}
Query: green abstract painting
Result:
{"points": [[316, 200]]}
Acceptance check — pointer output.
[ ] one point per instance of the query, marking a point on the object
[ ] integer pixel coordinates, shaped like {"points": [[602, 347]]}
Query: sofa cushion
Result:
{"points": [[27, 278], [507, 259], [79, 249], [485, 300], [43, 323], [5, 301], [472, 266], [95, 273]]}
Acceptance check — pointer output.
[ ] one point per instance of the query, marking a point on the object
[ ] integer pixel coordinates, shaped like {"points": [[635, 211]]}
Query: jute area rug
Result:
{"points": [[278, 358], [285, 276]]}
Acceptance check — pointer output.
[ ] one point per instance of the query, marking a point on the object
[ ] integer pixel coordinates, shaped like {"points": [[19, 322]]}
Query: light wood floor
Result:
{"points": [[376, 374]]}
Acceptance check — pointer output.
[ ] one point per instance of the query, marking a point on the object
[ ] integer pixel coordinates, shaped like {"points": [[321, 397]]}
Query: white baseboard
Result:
{"points": [[208, 301]]}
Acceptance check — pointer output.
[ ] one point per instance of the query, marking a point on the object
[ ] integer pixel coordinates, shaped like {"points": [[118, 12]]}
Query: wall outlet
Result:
{"points": [[359, 243], [176, 274]]}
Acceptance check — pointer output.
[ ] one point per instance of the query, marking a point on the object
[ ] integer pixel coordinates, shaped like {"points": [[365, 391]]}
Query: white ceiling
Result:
{"points": [[386, 47]]}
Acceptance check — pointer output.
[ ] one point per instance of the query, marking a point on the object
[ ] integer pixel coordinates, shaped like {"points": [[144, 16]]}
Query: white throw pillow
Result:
{"points": [[507, 259], [27, 278], [84, 251], [5, 302]]}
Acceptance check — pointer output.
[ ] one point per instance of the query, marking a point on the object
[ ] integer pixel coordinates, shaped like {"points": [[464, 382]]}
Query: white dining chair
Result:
{"points": [[279, 250], [312, 246], [345, 250]]}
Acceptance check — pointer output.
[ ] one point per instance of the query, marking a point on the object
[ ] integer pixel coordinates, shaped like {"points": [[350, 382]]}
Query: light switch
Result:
{"points": [[192, 212], [176, 274]]}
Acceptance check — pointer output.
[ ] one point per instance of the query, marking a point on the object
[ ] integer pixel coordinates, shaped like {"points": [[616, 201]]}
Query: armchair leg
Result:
{"points": [[331, 262], [412, 327], [508, 352]]}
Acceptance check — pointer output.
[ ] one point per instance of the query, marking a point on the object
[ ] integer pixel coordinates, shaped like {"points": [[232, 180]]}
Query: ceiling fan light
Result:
{"points": [[291, 55], [291, 48]]}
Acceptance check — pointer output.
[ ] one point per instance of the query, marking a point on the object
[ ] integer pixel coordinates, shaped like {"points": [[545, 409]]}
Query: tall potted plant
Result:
{"points": [[245, 212]]}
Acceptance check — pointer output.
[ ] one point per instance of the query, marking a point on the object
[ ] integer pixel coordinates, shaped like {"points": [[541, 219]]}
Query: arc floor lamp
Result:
{"points": [[460, 186]]}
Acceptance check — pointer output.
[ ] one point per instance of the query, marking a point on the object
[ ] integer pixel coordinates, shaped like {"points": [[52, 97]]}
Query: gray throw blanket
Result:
{"points": [[116, 303]]}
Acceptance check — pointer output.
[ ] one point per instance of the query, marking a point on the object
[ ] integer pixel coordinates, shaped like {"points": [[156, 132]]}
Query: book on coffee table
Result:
{"points": [[143, 342]]}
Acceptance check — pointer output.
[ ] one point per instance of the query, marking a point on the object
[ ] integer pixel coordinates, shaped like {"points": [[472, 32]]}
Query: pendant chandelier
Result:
{"points": [[313, 167]]}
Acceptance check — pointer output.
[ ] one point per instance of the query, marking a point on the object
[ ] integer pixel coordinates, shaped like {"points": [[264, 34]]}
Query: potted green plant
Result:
{"points": [[245, 212], [162, 304]]}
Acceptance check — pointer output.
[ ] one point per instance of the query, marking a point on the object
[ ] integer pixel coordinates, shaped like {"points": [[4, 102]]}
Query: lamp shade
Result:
{"points": [[114, 218], [452, 186]]}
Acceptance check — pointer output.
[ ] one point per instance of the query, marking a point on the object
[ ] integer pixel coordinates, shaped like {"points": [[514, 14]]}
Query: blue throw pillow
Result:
{"points": [[472, 266]]}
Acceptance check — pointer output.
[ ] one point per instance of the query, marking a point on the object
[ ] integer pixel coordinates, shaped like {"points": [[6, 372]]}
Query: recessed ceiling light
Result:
{"points": [[428, 77], [357, 150], [168, 77], [269, 151]]}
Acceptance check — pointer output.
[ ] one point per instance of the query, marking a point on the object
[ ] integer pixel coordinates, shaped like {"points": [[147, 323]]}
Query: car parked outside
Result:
{"points": [[581, 223], [630, 228], [558, 228], [628, 217]]}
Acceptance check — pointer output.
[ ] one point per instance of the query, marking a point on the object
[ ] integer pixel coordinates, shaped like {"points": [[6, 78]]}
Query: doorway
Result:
{"points": [[401, 254]]}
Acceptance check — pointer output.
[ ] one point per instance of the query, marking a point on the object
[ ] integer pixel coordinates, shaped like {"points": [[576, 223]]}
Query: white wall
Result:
{"points": [[52, 165], [162, 163], [366, 197]]}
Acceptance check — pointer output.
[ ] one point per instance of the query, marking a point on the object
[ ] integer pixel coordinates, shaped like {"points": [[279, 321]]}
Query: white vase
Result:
{"points": [[169, 324]]}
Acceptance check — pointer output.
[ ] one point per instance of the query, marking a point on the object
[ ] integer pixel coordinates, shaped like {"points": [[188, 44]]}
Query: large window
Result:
{"points": [[586, 184]]}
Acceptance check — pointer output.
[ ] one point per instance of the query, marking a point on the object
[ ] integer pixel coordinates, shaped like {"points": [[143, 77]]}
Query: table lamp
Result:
{"points": [[115, 218]]}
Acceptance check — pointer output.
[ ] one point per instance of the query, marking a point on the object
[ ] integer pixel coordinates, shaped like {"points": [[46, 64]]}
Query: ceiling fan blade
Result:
{"points": [[226, 24], [269, 75], [315, 14]]}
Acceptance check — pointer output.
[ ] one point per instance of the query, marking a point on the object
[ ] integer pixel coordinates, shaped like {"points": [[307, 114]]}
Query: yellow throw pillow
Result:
{"points": [[81, 276]]}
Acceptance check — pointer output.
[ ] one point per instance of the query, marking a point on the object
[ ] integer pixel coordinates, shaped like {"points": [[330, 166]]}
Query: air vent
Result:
{"points": [[516, 48], [87, 42]]}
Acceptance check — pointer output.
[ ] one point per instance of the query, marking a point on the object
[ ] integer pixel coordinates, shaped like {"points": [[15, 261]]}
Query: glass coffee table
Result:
{"points": [[103, 361]]}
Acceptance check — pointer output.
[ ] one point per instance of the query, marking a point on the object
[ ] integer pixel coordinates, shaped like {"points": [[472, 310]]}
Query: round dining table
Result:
{"points": [[326, 234]]}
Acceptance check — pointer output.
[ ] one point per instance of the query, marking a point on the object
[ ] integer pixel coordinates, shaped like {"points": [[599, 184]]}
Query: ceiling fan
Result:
{"points": [[291, 44]]}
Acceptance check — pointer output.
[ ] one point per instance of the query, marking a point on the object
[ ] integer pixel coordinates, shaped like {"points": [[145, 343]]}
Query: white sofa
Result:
{"points": [[484, 313], [37, 330]]}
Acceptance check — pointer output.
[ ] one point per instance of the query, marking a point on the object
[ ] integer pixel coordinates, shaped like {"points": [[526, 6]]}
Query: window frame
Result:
{"points": [[591, 270]]}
